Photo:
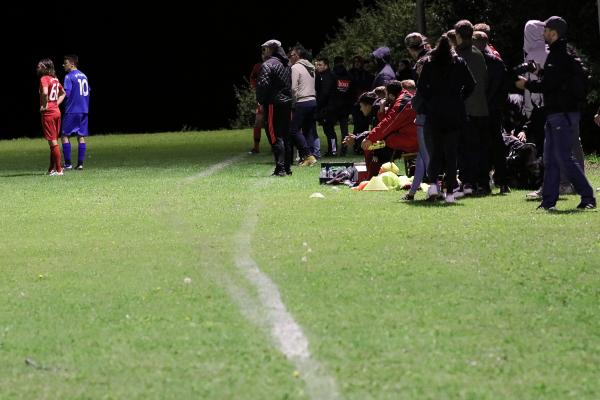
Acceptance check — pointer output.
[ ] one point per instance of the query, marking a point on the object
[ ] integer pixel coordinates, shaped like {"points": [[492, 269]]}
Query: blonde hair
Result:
{"points": [[408, 84]]}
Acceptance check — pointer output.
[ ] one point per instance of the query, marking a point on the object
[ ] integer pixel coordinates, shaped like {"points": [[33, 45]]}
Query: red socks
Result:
{"points": [[55, 161]]}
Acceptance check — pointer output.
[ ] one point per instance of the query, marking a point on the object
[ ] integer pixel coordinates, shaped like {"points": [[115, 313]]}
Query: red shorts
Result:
{"points": [[51, 124]]}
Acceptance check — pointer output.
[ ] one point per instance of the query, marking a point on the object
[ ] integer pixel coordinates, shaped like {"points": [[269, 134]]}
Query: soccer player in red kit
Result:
{"points": [[51, 95]]}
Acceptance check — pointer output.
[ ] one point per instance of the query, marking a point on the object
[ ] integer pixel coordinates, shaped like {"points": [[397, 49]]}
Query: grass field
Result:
{"points": [[484, 299]]}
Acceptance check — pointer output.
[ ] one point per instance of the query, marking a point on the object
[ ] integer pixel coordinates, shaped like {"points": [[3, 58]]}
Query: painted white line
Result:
{"points": [[274, 317], [213, 168]]}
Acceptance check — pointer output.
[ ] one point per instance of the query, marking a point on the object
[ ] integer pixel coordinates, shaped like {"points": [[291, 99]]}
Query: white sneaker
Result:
{"points": [[432, 192], [54, 173]]}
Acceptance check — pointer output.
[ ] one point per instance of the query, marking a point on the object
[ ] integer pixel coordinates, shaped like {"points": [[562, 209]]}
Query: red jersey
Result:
{"points": [[53, 85]]}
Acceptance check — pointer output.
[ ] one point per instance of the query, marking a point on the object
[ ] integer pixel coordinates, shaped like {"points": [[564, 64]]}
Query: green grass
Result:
{"points": [[486, 299]]}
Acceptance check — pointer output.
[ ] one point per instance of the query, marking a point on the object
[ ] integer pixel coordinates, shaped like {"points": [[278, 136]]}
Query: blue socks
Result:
{"points": [[80, 153], [67, 153]]}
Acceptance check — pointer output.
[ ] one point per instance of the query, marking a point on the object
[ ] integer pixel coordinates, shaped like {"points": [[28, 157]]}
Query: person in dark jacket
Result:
{"points": [[385, 72], [361, 83], [474, 162], [445, 83], [497, 92], [325, 85], [562, 117], [274, 93], [342, 100]]}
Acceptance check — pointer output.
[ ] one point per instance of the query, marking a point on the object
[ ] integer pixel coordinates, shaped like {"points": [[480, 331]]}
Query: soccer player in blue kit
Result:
{"points": [[75, 116]]}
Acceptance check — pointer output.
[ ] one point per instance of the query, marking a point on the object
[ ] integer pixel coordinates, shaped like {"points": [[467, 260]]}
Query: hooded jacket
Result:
{"points": [[303, 81], [398, 127], [534, 49], [274, 82]]}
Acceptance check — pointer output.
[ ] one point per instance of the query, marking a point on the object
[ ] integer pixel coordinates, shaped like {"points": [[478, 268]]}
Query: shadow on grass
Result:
{"points": [[428, 203], [21, 174]]}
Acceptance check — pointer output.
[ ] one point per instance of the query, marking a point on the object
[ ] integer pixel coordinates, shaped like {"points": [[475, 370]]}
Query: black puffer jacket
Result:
{"points": [[274, 82], [556, 73]]}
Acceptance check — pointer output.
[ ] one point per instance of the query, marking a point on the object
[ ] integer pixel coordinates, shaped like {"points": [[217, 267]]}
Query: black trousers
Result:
{"points": [[474, 152], [443, 153], [277, 128], [497, 148]]}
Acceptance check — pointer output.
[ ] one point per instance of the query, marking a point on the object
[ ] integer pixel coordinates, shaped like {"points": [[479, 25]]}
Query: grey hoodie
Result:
{"points": [[534, 49], [303, 81]]}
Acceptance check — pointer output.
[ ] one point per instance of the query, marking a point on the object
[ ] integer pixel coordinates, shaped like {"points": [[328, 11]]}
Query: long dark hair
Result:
{"points": [[442, 54], [46, 67]]}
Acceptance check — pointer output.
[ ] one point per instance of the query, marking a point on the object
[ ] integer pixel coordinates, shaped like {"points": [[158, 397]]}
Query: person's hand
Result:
{"points": [[365, 144], [349, 140], [522, 136], [42, 108], [597, 119], [520, 84]]}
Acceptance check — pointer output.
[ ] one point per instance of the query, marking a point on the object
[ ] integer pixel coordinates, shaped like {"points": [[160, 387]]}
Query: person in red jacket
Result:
{"points": [[396, 127]]}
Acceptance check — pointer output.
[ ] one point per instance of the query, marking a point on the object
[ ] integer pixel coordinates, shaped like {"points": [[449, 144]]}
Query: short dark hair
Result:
{"points": [[325, 60], [393, 87], [72, 58], [368, 98], [464, 28], [301, 51]]}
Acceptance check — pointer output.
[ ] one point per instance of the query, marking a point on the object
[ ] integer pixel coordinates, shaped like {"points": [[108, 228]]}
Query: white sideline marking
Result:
{"points": [[213, 168], [274, 317], [268, 311]]}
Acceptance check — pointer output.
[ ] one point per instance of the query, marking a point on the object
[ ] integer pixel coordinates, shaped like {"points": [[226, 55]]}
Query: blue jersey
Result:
{"points": [[77, 89]]}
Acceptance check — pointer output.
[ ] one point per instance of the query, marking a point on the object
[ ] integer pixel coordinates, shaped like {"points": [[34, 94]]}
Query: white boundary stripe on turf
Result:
{"points": [[273, 315], [213, 168]]}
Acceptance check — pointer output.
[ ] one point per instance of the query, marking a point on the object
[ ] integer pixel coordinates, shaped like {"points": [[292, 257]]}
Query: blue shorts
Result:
{"points": [[75, 124]]}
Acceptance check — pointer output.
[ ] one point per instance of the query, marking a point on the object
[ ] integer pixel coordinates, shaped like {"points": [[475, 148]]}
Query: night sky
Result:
{"points": [[152, 69]]}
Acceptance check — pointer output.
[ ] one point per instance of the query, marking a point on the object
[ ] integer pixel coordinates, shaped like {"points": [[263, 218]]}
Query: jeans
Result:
{"points": [[558, 156], [422, 160]]}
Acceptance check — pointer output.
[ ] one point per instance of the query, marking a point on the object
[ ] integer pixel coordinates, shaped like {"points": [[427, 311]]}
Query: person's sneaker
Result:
{"points": [[51, 172], [278, 173], [588, 205], [308, 161], [67, 166], [254, 151], [546, 208], [504, 189], [288, 172], [449, 198], [408, 197], [55, 173], [79, 167], [535, 195], [432, 192]]}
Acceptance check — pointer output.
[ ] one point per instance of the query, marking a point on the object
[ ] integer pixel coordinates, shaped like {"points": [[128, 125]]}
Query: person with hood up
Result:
{"points": [[274, 93], [385, 74], [305, 105]]}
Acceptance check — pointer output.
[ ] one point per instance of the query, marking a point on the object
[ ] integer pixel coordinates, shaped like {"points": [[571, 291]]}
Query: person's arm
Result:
{"points": [[43, 95], [597, 117], [61, 95], [295, 83]]}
